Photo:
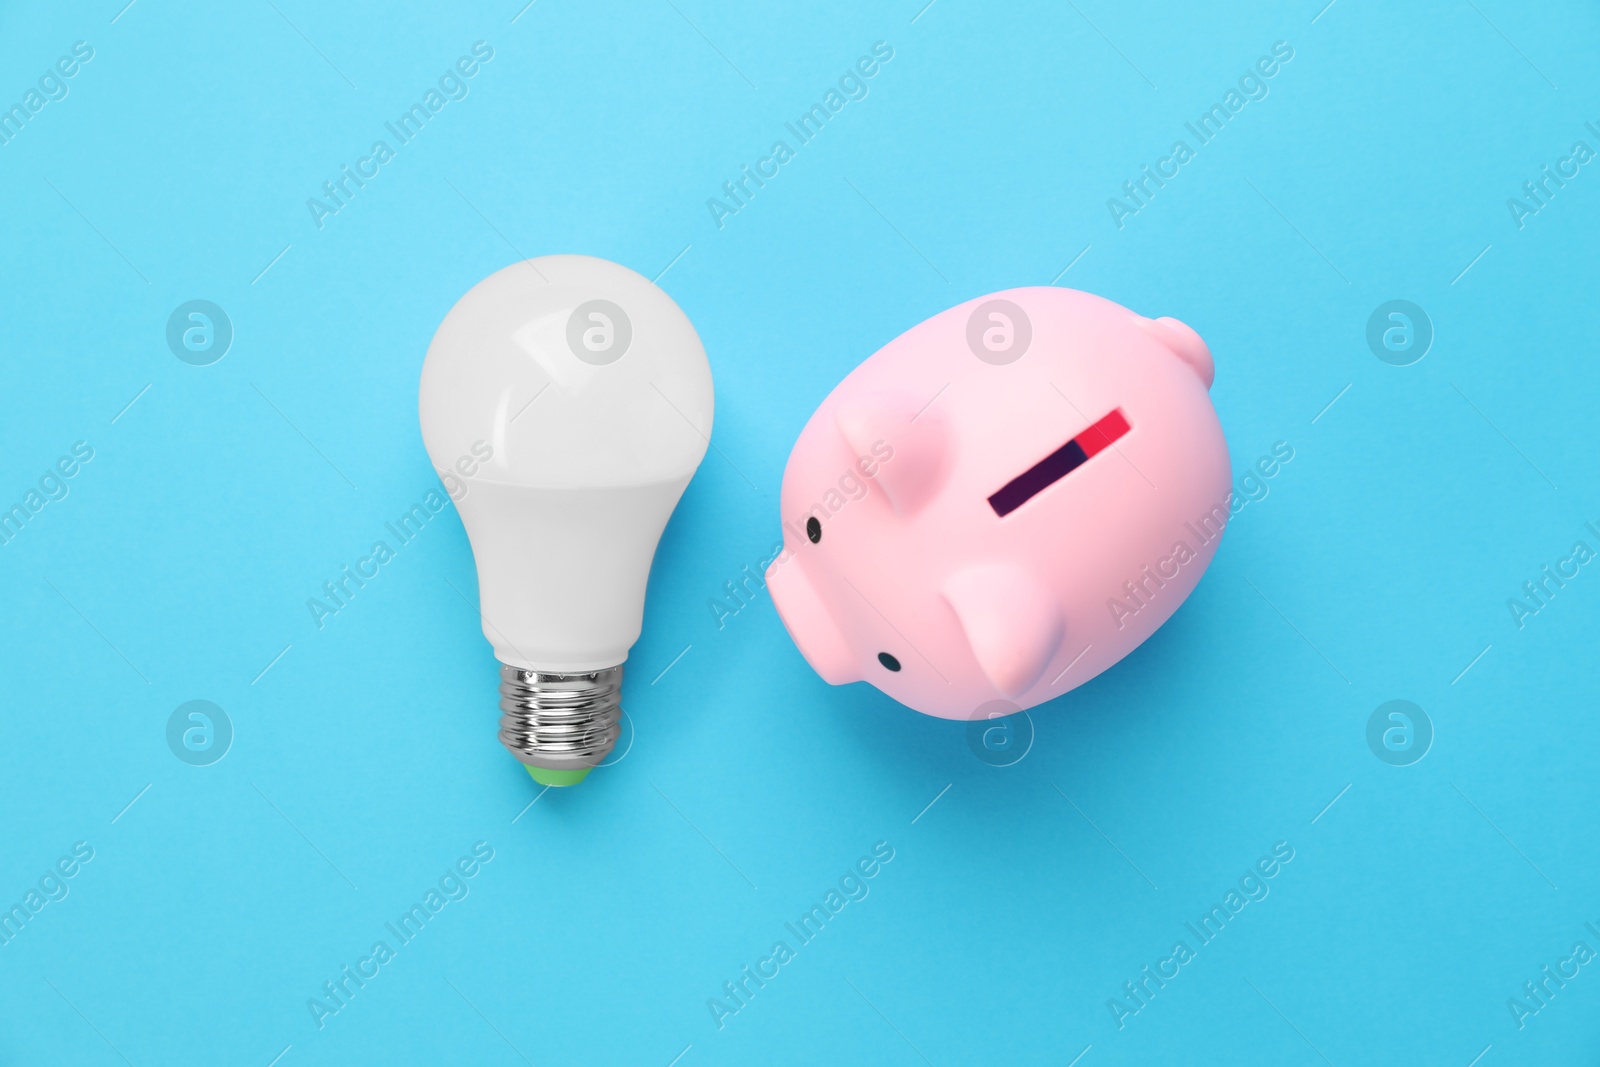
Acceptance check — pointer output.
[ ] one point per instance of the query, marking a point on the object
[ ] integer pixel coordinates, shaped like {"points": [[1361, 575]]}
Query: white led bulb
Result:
{"points": [[589, 393]]}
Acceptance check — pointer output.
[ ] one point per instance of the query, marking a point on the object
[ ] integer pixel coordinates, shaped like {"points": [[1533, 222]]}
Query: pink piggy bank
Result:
{"points": [[1002, 502]]}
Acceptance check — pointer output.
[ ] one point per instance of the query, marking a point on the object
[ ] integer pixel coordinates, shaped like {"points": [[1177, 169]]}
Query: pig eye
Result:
{"points": [[814, 531], [888, 661]]}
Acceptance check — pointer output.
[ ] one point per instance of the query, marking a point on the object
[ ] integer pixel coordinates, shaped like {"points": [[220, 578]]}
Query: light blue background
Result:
{"points": [[365, 761]]}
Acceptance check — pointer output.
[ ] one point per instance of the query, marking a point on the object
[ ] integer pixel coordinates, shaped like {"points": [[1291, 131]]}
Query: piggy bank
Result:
{"points": [[1002, 502]]}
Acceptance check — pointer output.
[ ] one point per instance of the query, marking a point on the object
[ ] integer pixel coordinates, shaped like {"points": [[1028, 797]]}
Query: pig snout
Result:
{"points": [[810, 623]]}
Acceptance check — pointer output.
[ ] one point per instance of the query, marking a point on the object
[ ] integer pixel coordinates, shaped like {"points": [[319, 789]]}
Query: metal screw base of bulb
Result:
{"points": [[559, 721]]}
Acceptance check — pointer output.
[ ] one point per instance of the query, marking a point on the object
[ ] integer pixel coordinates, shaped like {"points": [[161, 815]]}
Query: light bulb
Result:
{"points": [[566, 401]]}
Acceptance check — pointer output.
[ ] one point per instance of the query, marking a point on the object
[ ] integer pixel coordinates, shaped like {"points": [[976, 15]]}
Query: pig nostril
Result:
{"points": [[888, 661], [814, 531]]}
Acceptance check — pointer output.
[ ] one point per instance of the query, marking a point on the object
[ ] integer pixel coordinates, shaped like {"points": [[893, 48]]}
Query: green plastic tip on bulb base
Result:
{"points": [[547, 777]]}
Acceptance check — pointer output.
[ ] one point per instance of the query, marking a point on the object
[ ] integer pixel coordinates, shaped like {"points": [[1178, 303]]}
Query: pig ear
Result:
{"points": [[907, 445], [1184, 343], [1011, 622]]}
